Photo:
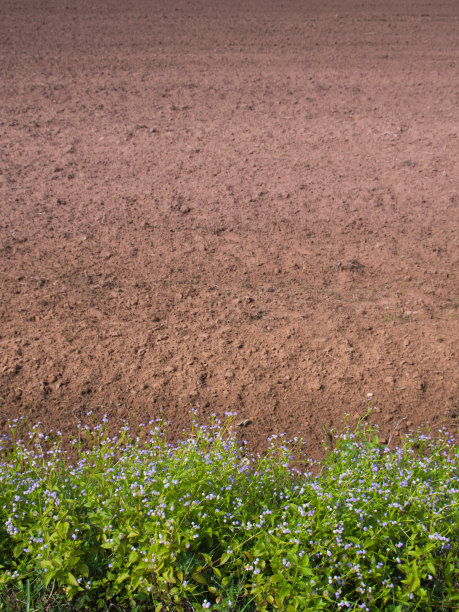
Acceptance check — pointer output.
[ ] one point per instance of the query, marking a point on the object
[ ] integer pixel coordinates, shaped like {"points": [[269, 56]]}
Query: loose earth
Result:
{"points": [[244, 206]]}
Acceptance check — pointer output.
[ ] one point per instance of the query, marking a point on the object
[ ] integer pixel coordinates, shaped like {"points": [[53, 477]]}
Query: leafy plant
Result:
{"points": [[134, 522]]}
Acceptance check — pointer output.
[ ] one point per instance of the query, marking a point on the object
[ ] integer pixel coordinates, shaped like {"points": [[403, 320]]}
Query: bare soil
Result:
{"points": [[242, 205]]}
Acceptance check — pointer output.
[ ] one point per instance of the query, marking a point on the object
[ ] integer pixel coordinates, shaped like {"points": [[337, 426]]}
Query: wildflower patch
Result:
{"points": [[140, 523]]}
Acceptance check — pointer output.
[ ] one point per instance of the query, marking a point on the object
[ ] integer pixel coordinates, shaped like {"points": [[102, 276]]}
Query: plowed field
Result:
{"points": [[246, 206]]}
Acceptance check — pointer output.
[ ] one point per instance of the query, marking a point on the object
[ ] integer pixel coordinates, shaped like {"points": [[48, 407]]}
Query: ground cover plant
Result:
{"points": [[135, 522]]}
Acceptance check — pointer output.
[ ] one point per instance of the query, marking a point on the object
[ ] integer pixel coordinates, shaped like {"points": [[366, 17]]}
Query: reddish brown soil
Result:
{"points": [[240, 205]]}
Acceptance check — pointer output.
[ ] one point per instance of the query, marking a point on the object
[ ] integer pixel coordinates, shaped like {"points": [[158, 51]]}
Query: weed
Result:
{"points": [[203, 524]]}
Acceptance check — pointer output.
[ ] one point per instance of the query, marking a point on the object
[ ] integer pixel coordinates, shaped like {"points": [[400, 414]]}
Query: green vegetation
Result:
{"points": [[136, 523]]}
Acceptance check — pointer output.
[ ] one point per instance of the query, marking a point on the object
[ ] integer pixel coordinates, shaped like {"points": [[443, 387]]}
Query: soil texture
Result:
{"points": [[233, 206]]}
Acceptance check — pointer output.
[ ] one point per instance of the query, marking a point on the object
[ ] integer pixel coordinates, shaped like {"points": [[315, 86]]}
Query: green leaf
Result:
{"points": [[122, 577], [224, 558], [207, 558], [57, 562], [217, 572], [412, 578], [83, 569], [415, 582], [430, 567], [168, 576], [48, 577], [72, 580], [135, 583], [46, 564], [285, 590], [62, 529], [133, 556], [199, 578], [17, 550]]}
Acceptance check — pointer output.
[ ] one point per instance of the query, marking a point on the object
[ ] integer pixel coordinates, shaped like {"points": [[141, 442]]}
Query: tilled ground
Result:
{"points": [[246, 206]]}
